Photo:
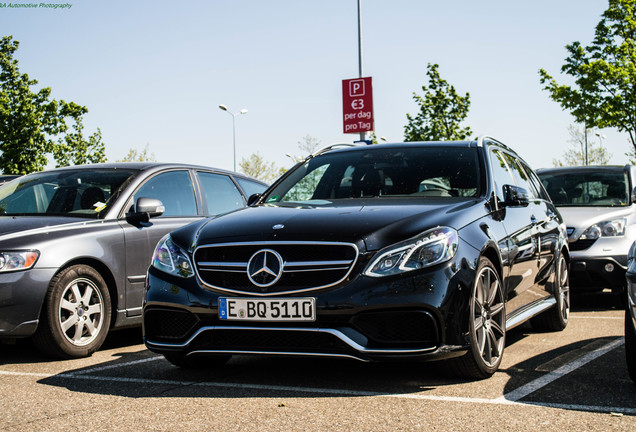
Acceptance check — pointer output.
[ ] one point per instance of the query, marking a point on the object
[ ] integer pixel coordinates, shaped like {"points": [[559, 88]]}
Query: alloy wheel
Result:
{"points": [[81, 312], [488, 317]]}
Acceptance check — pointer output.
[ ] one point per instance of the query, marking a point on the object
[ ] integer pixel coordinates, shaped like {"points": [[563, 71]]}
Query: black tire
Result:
{"points": [[196, 362], [76, 314], [630, 346], [487, 326], [556, 318]]}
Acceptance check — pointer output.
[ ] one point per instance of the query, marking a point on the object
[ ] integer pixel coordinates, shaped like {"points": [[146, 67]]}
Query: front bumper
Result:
{"points": [[21, 298], [600, 265], [597, 273], [405, 317]]}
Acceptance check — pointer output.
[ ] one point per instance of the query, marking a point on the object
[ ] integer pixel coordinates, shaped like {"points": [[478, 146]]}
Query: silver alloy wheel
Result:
{"points": [[488, 317], [563, 298], [81, 312]]}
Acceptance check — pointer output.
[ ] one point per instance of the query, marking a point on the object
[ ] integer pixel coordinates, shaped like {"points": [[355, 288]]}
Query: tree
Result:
{"points": [[441, 112], [73, 148], [139, 156], [604, 90], [30, 122], [307, 145], [576, 154], [259, 168]]}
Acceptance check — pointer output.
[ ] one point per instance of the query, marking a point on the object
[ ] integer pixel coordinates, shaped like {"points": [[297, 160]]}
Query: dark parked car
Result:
{"points": [[394, 251], [598, 204], [75, 244], [630, 314]]}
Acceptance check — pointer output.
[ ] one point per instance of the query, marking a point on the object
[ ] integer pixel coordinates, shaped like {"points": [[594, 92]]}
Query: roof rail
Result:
{"points": [[332, 147], [482, 138]]}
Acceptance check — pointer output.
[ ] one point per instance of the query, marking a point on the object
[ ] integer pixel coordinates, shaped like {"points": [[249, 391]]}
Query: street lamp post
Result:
{"points": [[600, 138], [243, 111]]}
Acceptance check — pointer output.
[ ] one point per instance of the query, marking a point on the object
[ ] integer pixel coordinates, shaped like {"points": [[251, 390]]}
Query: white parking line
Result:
{"points": [[116, 365], [331, 392], [546, 379], [511, 398]]}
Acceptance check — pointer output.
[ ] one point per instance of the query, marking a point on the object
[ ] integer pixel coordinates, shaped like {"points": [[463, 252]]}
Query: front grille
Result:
{"points": [[305, 266], [403, 328], [168, 324], [581, 244]]}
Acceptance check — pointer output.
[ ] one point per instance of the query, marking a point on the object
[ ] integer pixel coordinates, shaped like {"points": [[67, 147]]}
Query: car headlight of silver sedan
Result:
{"points": [[610, 228], [17, 260], [171, 259], [429, 248]]}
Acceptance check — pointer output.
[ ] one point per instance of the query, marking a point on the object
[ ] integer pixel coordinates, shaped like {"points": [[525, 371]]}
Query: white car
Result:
{"points": [[598, 205]]}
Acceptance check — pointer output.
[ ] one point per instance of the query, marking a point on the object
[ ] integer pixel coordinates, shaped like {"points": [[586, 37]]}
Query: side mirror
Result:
{"points": [[515, 196], [633, 197], [253, 199], [144, 209]]}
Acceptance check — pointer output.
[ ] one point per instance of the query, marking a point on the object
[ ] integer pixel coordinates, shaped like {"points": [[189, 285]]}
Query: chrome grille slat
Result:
{"points": [[302, 268]]}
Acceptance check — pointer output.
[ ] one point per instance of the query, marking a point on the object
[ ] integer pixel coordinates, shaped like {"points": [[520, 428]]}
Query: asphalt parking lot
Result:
{"points": [[573, 380]]}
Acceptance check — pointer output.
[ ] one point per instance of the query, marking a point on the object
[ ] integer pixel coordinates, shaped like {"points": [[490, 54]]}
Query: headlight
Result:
{"points": [[171, 259], [613, 228], [429, 248], [20, 260]]}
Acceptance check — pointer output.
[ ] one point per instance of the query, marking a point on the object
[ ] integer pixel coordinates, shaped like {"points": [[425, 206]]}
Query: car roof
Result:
{"points": [[583, 168], [150, 166]]}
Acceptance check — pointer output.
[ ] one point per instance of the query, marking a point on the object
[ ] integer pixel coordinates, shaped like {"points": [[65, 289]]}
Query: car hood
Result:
{"points": [[583, 217], [377, 224], [20, 226]]}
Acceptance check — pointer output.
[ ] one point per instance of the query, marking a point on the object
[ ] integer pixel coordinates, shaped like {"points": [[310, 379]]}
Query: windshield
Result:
{"points": [[80, 193], [416, 172], [586, 188]]}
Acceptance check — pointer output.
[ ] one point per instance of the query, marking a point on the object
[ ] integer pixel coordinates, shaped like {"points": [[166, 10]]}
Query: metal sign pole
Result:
{"points": [[363, 135]]}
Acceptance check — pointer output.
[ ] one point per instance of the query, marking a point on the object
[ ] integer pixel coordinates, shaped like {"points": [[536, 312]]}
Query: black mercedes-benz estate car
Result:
{"points": [[75, 244], [395, 251]]}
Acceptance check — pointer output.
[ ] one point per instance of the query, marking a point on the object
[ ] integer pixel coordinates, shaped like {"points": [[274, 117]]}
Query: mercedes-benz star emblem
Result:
{"points": [[265, 267]]}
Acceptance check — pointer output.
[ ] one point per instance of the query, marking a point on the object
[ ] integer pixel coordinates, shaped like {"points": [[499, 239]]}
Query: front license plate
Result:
{"points": [[253, 309]]}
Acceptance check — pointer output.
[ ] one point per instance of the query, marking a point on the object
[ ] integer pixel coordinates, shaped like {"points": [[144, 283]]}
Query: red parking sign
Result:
{"points": [[357, 105]]}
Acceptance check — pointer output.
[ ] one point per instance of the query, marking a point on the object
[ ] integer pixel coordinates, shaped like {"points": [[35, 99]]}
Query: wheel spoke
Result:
{"points": [[496, 309], [76, 292], [493, 289], [88, 324], [479, 322], [495, 327], [482, 289], [487, 351], [88, 293], [494, 344], [94, 309], [79, 330], [67, 305], [68, 323]]}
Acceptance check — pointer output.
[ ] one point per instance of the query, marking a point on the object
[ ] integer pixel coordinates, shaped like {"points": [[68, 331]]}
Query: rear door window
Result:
{"points": [[220, 193]]}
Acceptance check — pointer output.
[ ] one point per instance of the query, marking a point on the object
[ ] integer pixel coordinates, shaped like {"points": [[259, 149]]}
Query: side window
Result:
{"points": [[250, 187], [221, 194], [174, 189], [520, 176], [501, 173], [536, 183]]}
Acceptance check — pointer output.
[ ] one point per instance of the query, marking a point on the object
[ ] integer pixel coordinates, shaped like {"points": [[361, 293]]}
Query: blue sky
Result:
{"points": [[154, 72]]}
